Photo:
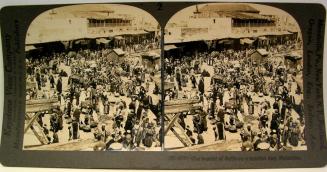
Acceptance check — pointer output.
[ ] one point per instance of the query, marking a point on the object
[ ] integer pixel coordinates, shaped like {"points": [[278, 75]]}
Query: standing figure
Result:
{"points": [[201, 87]]}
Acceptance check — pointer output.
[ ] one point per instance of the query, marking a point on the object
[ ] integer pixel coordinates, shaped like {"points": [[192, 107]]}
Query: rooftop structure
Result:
{"points": [[221, 21], [65, 24], [214, 8]]}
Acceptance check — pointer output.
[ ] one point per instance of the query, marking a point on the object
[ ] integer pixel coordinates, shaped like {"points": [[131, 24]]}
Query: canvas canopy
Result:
{"points": [[102, 40], [119, 51], [170, 47], [294, 56], [246, 41], [262, 52], [30, 47]]}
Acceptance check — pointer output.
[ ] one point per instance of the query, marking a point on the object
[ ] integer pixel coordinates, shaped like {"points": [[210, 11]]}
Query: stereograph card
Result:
{"points": [[163, 85]]}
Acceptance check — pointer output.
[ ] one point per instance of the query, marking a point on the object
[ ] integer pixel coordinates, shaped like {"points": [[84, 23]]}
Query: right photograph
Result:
{"points": [[233, 79]]}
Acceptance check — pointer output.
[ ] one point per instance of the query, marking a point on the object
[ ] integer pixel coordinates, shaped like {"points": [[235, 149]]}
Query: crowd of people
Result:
{"points": [[260, 105], [117, 102], [114, 102]]}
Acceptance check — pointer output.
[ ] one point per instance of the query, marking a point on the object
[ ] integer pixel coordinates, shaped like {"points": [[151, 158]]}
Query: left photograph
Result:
{"points": [[93, 80]]}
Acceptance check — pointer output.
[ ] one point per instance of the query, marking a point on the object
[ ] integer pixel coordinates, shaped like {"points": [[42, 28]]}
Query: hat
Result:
{"points": [[228, 111], [255, 133], [274, 136], [127, 132], [151, 124], [116, 135], [128, 136], [134, 96]]}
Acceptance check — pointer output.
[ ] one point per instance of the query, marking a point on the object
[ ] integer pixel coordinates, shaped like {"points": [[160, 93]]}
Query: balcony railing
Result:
{"points": [[108, 24], [253, 24], [247, 30]]}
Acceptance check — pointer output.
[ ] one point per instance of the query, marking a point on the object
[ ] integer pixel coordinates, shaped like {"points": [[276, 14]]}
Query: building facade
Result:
{"points": [[237, 21], [101, 26]]}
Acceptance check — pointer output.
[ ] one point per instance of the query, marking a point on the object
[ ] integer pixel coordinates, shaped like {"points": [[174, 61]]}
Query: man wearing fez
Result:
{"points": [[132, 104], [38, 79], [55, 138], [77, 96], [119, 118], [263, 118], [75, 126], [59, 115], [275, 120], [53, 123], [129, 124], [201, 87], [247, 144], [193, 80], [137, 133], [149, 133], [200, 122], [212, 106], [139, 110], [52, 81], [142, 93], [220, 125], [59, 86], [77, 114], [220, 93], [179, 78], [251, 107], [276, 104], [128, 141], [68, 108], [106, 106], [116, 138]]}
